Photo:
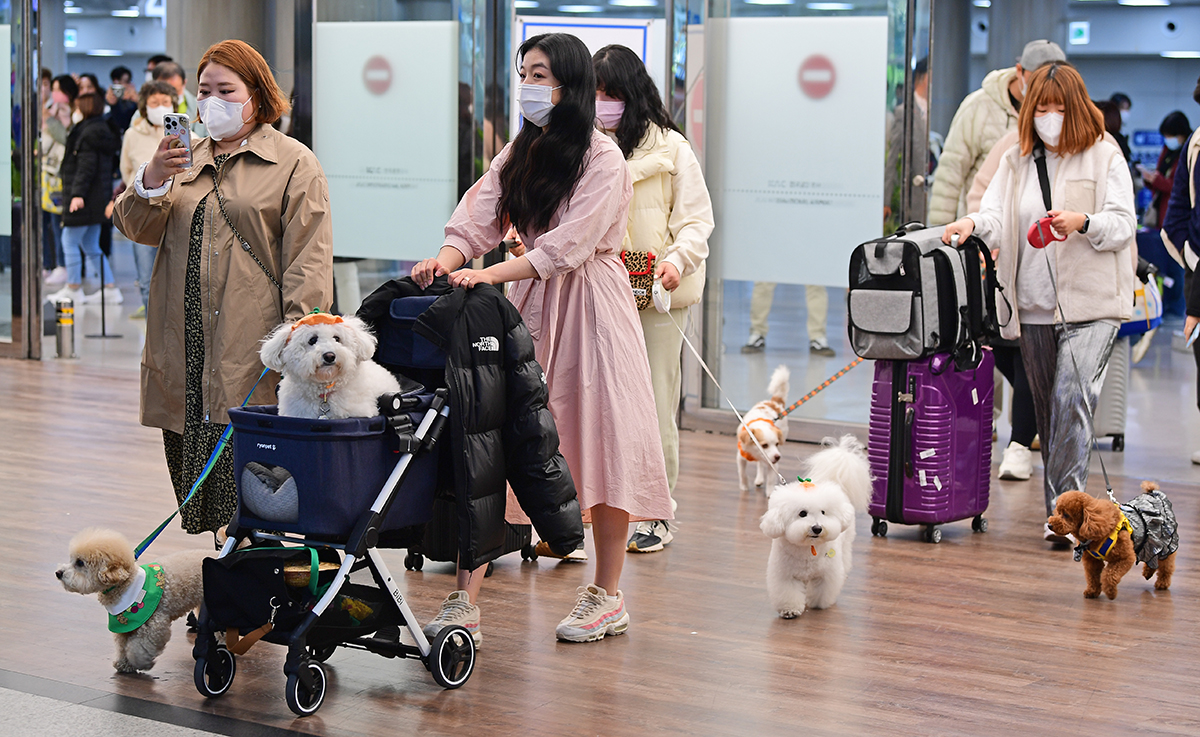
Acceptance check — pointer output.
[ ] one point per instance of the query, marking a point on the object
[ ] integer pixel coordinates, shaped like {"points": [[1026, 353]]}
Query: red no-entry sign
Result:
{"points": [[817, 76], [377, 75]]}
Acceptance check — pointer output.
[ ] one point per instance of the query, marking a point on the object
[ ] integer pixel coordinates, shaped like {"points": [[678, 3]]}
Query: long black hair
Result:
{"points": [[545, 164], [621, 74]]}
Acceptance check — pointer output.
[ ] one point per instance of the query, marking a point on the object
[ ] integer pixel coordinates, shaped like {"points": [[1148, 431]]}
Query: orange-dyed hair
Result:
{"points": [[248, 64], [1060, 83]]}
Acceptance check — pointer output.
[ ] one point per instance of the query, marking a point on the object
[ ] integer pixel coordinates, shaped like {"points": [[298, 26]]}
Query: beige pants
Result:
{"points": [[816, 300], [663, 345]]}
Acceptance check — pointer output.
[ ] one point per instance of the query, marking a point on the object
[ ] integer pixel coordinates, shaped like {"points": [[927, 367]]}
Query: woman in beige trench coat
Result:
{"points": [[211, 302]]}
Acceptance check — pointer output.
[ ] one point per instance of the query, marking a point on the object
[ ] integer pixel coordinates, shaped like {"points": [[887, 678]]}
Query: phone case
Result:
{"points": [[176, 124]]}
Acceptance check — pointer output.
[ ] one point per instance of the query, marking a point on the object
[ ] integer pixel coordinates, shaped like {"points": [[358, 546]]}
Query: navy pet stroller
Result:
{"points": [[315, 499]]}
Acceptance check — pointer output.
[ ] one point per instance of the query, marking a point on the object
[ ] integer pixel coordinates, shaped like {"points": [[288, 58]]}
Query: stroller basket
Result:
{"points": [[316, 477]]}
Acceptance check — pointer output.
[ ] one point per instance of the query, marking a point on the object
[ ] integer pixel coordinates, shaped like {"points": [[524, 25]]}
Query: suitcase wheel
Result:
{"points": [[932, 534], [878, 527], [979, 524], [414, 561], [1118, 443], [528, 553], [490, 570]]}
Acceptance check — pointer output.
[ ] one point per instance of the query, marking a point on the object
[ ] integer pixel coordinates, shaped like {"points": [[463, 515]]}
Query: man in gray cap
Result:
{"points": [[987, 114]]}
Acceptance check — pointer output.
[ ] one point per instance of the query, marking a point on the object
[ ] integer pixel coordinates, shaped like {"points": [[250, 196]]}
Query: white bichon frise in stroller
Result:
{"points": [[811, 523], [327, 368]]}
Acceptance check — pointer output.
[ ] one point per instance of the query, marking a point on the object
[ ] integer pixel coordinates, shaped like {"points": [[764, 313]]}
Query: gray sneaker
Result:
{"points": [[820, 348], [754, 344], [594, 616], [650, 537], [456, 609]]}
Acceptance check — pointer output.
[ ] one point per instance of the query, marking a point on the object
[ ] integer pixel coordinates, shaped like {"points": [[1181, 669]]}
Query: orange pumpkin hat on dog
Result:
{"points": [[316, 317]]}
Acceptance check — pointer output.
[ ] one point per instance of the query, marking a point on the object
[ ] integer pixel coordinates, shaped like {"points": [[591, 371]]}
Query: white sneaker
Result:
{"points": [[1017, 463], [1142, 347], [595, 615], [650, 537], [456, 609], [1196, 458], [57, 276], [112, 295], [1053, 537], [75, 295]]}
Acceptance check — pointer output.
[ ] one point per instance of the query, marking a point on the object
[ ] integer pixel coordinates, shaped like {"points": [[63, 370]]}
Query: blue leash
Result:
{"points": [[212, 461]]}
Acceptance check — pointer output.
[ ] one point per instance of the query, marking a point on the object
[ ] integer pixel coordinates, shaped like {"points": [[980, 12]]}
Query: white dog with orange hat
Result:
{"points": [[327, 368]]}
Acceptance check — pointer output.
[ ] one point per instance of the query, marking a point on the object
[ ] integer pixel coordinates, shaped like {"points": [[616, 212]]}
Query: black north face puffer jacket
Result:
{"points": [[500, 426]]}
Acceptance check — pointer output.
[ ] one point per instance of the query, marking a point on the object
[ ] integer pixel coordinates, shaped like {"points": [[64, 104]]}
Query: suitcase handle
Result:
{"points": [[907, 439]]}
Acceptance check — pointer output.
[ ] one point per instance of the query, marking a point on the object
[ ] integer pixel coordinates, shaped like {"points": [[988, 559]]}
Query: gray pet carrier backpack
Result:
{"points": [[912, 296]]}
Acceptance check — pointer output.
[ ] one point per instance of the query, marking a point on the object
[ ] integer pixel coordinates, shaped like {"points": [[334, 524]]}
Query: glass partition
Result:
{"points": [[800, 101], [20, 263]]}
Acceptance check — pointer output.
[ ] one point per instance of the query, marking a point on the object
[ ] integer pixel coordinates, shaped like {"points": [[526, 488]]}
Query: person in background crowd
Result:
{"points": [[1175, 130], [211, 301], [1124, 105], [893, 157], [1065, 310], [86, 171], [121, 99], [982, 118], [153, 62], [89, 84], [671, 217], [154, 100], [1181, 235], [566, 188], [173, 74], [58, 101]]}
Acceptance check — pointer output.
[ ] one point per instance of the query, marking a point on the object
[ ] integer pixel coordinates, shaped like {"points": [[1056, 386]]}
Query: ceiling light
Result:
{"points": [[524, 4], [1180, 54], [106, 52], [982, 3], [1143, 2], [634, 3], [830, 6], [72, 9], [579, 8], [770, 2], [131, 13]]}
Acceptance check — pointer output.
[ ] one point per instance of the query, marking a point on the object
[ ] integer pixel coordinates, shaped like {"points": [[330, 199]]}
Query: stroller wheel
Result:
{"points": [[213, 678], [306, 701], [452, 657], [414, 561]]}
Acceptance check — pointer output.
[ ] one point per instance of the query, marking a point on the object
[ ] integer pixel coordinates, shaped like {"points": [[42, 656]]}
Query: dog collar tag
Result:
{"points": [[830, 553]]}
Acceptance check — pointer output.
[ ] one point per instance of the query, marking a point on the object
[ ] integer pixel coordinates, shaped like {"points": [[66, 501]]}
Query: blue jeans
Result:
{"points": [[87, 238], [143, 258]]}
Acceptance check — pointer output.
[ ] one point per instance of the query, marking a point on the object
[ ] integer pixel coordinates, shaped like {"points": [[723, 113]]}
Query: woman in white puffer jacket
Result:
{"points": [[670, 217], [1069, 298]]}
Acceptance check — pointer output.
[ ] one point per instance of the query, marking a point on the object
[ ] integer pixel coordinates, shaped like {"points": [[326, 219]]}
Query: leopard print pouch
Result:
{"points": [[640, 265]]}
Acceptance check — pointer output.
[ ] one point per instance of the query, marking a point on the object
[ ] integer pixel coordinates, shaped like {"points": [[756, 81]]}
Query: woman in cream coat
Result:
{"points": [[1068, 299], [671, 217]]}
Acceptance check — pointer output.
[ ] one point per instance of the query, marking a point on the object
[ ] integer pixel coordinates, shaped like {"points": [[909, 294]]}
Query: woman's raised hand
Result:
{"points": [[963, 228], [426, 271], [164, 164]]}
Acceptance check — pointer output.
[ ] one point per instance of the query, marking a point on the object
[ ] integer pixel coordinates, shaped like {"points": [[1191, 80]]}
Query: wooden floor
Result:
{"points": [[980, 635]]}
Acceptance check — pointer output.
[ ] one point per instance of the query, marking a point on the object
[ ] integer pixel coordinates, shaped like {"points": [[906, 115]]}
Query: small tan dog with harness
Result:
{"points": [[767, 423]]}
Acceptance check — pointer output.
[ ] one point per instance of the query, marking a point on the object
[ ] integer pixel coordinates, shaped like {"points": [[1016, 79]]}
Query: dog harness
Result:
{"points": [[1101, 552], [140, 601], [742, 450]]}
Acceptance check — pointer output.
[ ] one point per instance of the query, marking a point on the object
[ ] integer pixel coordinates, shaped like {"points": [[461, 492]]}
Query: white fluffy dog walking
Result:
{"points": [[763, 432], [327, 368], [142, 600], [811, 524]]}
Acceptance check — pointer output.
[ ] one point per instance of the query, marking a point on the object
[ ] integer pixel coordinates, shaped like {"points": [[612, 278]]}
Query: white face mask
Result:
{"points": [[1049, 127], [149, 75], [155, 115], [609, 112], [222, 117], [1124, 118], [535, 102], [1024, 87], [76, 116]]}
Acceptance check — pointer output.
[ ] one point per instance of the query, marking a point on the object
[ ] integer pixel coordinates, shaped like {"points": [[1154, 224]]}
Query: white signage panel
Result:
{"points": [[795, 144], [385, 128]]}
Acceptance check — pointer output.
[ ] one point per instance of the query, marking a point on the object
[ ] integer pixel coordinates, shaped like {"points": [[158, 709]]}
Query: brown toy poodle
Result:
{"points": [[1113, 537]]}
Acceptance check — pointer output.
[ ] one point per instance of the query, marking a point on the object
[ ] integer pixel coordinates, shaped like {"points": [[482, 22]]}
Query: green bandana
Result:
{"points": [[145, 605]]}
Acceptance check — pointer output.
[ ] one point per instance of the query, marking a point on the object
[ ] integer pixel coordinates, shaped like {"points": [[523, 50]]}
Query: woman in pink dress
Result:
{"points": [[566, 189]]}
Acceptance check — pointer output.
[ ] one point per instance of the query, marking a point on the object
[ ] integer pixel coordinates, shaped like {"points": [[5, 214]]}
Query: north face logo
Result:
{"points": [[487, 344]]}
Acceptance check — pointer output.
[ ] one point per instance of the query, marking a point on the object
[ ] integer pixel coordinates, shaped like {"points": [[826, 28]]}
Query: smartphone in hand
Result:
{"points": [[179, 126]]}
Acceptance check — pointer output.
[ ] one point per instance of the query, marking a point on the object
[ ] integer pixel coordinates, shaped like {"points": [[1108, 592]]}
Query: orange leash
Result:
{"points": [[822, 387]]}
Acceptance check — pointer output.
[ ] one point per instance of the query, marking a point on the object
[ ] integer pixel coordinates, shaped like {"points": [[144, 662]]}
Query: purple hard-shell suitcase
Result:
{"points": [[930, 443]]}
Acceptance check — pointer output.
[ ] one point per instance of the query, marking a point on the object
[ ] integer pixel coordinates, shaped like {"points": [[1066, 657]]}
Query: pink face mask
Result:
{"points": [[609, 112], [59, 97]]}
